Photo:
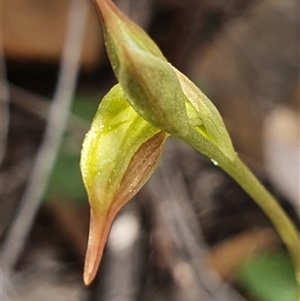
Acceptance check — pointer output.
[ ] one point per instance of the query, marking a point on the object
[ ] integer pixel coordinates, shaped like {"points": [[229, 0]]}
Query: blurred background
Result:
{"points": [[191, 233]]}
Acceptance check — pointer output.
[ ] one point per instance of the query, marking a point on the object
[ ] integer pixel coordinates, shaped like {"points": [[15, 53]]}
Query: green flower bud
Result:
{"points": [[149, 82], [119, 153], [125, 141]]}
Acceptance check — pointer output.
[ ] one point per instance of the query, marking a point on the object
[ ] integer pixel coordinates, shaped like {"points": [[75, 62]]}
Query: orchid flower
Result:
{"points": [[152, 101]]}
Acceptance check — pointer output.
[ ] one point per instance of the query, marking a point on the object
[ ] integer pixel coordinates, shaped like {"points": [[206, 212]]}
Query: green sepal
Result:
{"points": [[152, 88], [119, 30], [211, 125]]}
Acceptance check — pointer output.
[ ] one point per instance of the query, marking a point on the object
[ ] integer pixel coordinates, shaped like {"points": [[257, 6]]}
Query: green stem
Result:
{"points": [[281, 222], [245, 178]]}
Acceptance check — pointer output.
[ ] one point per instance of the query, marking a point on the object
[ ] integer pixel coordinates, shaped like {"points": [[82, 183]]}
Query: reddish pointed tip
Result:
{"points": [[88, 278], [96, 243], [100, 225]]}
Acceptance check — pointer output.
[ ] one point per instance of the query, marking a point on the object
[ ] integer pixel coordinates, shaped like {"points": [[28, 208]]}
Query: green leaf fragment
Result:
{"points": [[269, 277]]}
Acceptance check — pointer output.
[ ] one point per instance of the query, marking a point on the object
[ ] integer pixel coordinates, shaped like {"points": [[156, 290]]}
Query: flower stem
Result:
{"points": [[245, 178]]}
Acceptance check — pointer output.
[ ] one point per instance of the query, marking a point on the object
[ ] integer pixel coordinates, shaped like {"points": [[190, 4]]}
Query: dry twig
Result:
{"points": [[57, 121], [4, 107]]}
